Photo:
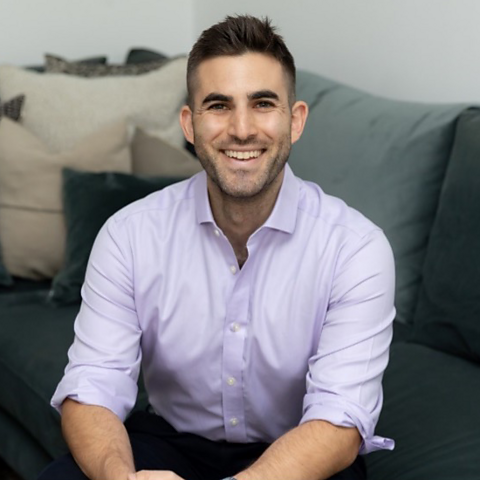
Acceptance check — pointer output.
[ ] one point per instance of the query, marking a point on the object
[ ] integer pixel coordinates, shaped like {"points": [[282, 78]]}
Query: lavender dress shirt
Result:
{"points": [[300, 332]]}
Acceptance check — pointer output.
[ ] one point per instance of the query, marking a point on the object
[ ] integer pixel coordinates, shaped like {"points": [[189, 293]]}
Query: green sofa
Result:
{"points": [[414, 169]]}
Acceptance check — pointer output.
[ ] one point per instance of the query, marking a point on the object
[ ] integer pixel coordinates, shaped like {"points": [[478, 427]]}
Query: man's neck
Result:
{"points": [[239, 218]]}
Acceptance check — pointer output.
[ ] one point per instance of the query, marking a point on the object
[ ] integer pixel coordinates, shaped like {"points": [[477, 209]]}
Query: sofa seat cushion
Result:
{"points": [[431, 411], [20, 450], [34, 341]]}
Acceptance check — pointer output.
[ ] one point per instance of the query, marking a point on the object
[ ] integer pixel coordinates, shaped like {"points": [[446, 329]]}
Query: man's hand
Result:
{"points": [[154, 475]]}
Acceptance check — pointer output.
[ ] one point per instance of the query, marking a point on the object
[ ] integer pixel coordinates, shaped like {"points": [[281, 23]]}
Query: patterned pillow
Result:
{"points": [[62, 109], [55, 64], [13, 108]]}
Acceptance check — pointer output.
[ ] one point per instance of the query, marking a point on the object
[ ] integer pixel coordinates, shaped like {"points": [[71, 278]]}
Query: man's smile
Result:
{"points": [[243, 155]]}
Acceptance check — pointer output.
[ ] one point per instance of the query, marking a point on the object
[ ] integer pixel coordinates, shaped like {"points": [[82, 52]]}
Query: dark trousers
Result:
{"points": [[157, 445]]}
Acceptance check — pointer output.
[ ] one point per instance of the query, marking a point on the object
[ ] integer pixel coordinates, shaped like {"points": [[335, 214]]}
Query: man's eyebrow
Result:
{"points": [[216, 97], [263, 94]]}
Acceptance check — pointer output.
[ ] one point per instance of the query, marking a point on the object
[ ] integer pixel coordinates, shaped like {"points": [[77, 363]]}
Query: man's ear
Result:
{"points": [[186, 121], [299, 117]]}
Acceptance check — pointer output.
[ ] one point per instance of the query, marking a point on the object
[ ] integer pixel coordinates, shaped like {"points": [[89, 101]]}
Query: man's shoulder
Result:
{"points": [[333, 212], [164, 202]]}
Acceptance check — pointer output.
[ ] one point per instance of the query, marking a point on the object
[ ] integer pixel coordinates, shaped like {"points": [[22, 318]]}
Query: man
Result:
{"points": [[259, 307]]}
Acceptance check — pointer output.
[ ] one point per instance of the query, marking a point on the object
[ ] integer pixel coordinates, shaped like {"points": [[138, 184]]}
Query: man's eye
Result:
{"points": [[265, 104], [217, 106]]}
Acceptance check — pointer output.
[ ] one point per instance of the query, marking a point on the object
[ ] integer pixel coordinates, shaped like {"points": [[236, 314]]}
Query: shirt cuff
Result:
{"points": [[345, 413], [111, 389]]}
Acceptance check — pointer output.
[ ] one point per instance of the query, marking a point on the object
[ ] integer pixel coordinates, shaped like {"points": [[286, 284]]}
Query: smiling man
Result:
{"points": [[259, 307]]}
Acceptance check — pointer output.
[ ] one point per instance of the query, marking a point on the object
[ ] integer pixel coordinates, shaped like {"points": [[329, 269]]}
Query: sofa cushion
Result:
{"points": [[431, 411], [32, 230], [448, 313], [89, 200], [33, 354], [54, 64], [61, 109], [154, 156], [24, 454], [385, 158], [34, 341]]}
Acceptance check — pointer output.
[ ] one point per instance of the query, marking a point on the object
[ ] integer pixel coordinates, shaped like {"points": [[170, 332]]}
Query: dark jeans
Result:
{"points": [[157, 445]]}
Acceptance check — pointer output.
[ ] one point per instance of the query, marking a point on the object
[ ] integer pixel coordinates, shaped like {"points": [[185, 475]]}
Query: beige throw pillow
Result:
{"points": [[61, 109], [32, 230], [153, 156]]}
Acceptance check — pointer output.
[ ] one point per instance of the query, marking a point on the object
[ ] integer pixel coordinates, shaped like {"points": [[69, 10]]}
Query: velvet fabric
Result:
{"points": [[34, 342], [431, 410], [5, 277], [89, 200], [385, 158], [142, 55], [448, 313]]}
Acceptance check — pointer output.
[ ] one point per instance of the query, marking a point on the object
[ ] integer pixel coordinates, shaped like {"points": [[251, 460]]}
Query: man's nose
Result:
{"points": [[242, 124]]}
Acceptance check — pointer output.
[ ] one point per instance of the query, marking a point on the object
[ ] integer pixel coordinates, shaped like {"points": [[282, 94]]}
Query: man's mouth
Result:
{"points": [[242, 155]]}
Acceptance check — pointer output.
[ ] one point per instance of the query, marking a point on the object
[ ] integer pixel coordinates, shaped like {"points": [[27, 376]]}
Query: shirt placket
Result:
{"points": [[233, 361]]}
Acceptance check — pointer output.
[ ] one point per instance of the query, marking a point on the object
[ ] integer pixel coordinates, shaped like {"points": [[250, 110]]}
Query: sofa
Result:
{"points": [[412, 168]]}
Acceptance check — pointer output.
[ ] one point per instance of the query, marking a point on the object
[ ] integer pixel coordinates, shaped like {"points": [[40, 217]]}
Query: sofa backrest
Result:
{"points": [[385, 158]]}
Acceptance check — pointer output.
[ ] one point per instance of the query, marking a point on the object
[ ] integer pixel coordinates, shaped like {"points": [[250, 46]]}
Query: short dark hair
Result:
{"points": [[237, 35]]}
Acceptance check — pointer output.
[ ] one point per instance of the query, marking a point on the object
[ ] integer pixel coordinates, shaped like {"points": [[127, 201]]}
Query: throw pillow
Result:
{"points": [[55, 64], [12, 108], [89, 200], [32, 230], [141, 55], [154, 156], [92, 60], [386, 158], [62, 109], [448, 313]]}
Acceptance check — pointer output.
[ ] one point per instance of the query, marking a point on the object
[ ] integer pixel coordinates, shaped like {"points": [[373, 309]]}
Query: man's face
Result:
{"points": [[242, 125]]}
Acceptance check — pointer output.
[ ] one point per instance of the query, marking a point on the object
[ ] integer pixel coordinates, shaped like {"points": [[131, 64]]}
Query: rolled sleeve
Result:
{"points": [[104, 359], [344, 376]]}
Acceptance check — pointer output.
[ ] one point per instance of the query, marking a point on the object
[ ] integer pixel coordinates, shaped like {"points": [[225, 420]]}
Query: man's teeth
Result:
{"points": [[243, 155]]}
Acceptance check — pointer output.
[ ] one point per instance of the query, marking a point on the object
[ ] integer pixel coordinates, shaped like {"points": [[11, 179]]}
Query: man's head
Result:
{"points": [[236, 36], [241, 115]]}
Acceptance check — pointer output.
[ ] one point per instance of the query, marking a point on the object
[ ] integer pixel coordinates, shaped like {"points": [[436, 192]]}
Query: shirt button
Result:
{"points": [[234, 422], [233, 269], [217, 233], [235, 327], [231, 381]]}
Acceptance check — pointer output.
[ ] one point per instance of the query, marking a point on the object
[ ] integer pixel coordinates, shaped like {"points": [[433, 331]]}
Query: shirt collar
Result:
{"points": [[284, 213]]}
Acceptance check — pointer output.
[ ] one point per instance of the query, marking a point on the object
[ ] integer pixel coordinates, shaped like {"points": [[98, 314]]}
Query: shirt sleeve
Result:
{"points": [[104, 359], [344, 376]]}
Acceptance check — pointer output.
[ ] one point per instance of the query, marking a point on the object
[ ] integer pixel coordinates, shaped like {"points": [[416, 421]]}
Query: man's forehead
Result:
{"points": [[241, 75]]}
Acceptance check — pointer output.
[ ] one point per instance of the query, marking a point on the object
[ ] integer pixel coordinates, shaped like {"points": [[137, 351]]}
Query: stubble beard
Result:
{"points": [[244, 187]]}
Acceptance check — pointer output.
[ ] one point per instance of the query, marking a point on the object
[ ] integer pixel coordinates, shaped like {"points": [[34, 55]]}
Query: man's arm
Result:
{"points": [[98, 441], [315, 450]]}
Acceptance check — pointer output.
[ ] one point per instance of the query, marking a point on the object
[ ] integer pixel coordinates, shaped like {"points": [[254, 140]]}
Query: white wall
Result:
{"points": [[79, 28], [425, 50]]}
